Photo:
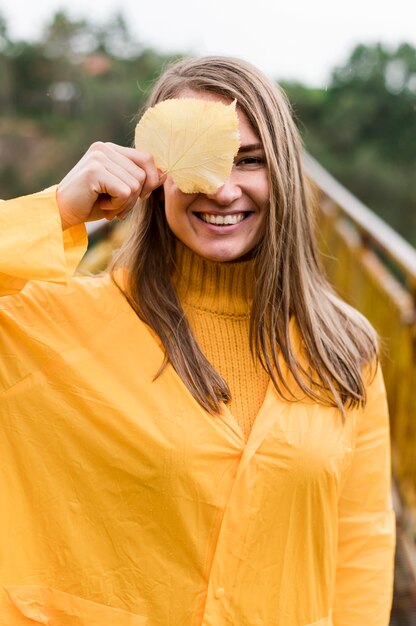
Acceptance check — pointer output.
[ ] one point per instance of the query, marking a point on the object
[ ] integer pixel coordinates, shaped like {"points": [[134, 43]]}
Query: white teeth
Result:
{"points": [[222, 220]]}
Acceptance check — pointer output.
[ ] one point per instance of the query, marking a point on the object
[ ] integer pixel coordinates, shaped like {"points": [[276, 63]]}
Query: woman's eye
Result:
{"points": [[251, 161]]}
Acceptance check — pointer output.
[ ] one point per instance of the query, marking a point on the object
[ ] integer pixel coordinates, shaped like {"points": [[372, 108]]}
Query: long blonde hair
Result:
{"points": [[338, 341]]}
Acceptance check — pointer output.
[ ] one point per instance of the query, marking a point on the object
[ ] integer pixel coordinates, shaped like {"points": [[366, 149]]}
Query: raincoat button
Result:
{"points": [[219, 593]]}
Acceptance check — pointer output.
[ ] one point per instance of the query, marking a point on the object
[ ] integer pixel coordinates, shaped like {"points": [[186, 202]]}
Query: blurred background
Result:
{"points": [[73, 72]]}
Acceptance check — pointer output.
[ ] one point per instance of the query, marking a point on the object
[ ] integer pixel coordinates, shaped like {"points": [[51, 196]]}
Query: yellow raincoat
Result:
{"points": [[124, 503]]}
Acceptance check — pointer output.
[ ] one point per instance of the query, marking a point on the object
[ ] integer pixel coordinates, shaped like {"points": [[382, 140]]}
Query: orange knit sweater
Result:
{"points": [[217, 299]]}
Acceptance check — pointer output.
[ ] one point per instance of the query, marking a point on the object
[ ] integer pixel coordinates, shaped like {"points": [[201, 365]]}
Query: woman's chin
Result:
{"points": [[221, 252]]}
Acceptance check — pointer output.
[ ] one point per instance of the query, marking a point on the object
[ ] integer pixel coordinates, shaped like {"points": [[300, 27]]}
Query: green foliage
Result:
{"points": [[77, 84], [362, 128], [82, 82]]}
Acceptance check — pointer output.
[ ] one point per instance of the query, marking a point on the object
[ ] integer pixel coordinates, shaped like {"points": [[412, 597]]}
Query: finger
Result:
{"points": [[113, 194], [162, 176], [102, 155], [109, 207], [134, 177], [145, 161], [131, 160], [136, 171]]}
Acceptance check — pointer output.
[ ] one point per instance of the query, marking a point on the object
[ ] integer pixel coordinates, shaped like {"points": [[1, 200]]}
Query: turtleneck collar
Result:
{"points": [[221, 288]]}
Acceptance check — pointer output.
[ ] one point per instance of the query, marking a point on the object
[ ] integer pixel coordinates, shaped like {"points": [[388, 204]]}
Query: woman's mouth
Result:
{"points": [[222, 220]]}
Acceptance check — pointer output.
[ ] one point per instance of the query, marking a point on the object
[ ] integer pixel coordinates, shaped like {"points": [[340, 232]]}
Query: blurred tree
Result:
{"points": [[78, 83], [5, 73], [31, 72], [363, 129], [115, 38], [4, 39], [82, 82], [377, 89], [66, 38]]}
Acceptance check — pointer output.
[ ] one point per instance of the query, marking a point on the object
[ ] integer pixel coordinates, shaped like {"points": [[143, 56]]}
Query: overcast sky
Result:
{"points": [[296, 39]]}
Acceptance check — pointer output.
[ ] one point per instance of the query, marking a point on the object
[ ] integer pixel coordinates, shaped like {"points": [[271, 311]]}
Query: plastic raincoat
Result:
{"points": [[124, 503]]}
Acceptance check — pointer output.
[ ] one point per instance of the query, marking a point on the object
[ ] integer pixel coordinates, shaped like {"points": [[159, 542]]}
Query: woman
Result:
{"points": [[199, 436]]}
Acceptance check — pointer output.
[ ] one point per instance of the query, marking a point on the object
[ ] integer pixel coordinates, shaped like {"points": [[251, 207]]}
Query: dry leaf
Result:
{"points": [[195, 140]]}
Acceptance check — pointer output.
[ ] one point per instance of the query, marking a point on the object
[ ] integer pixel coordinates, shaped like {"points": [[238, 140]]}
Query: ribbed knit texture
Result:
{"points": [[217, 299]]}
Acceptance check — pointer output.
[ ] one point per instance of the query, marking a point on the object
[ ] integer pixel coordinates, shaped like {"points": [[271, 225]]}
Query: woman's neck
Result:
{"points": [[222, 288]]}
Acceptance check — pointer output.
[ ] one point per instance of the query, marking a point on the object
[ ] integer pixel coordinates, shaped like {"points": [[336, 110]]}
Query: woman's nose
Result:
{"points": [[227, 193]]}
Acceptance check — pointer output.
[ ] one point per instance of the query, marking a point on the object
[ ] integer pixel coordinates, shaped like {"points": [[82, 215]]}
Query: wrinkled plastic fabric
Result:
{"points": [[125, 503], [44, 605]]}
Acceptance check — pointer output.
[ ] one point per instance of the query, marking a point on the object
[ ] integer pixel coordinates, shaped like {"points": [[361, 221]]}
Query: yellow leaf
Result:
{"points": [[194, 140]]}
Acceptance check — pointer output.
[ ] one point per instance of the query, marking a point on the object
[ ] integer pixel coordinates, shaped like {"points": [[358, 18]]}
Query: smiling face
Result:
{"points": [[226, 225]]}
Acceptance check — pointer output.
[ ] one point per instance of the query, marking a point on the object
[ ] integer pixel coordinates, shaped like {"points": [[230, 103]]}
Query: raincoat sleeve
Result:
{"points": [[366, 540], [33, 245]]}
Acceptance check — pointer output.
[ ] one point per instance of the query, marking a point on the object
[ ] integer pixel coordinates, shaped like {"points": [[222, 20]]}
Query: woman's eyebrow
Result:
{"points": [[251, 147]]}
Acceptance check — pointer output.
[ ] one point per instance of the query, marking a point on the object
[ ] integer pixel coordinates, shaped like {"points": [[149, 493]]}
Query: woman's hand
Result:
{"points": [[106, 182]]}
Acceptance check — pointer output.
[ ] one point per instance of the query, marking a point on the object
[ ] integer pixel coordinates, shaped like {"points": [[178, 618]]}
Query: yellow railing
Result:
{"points": [[374, 269]]}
